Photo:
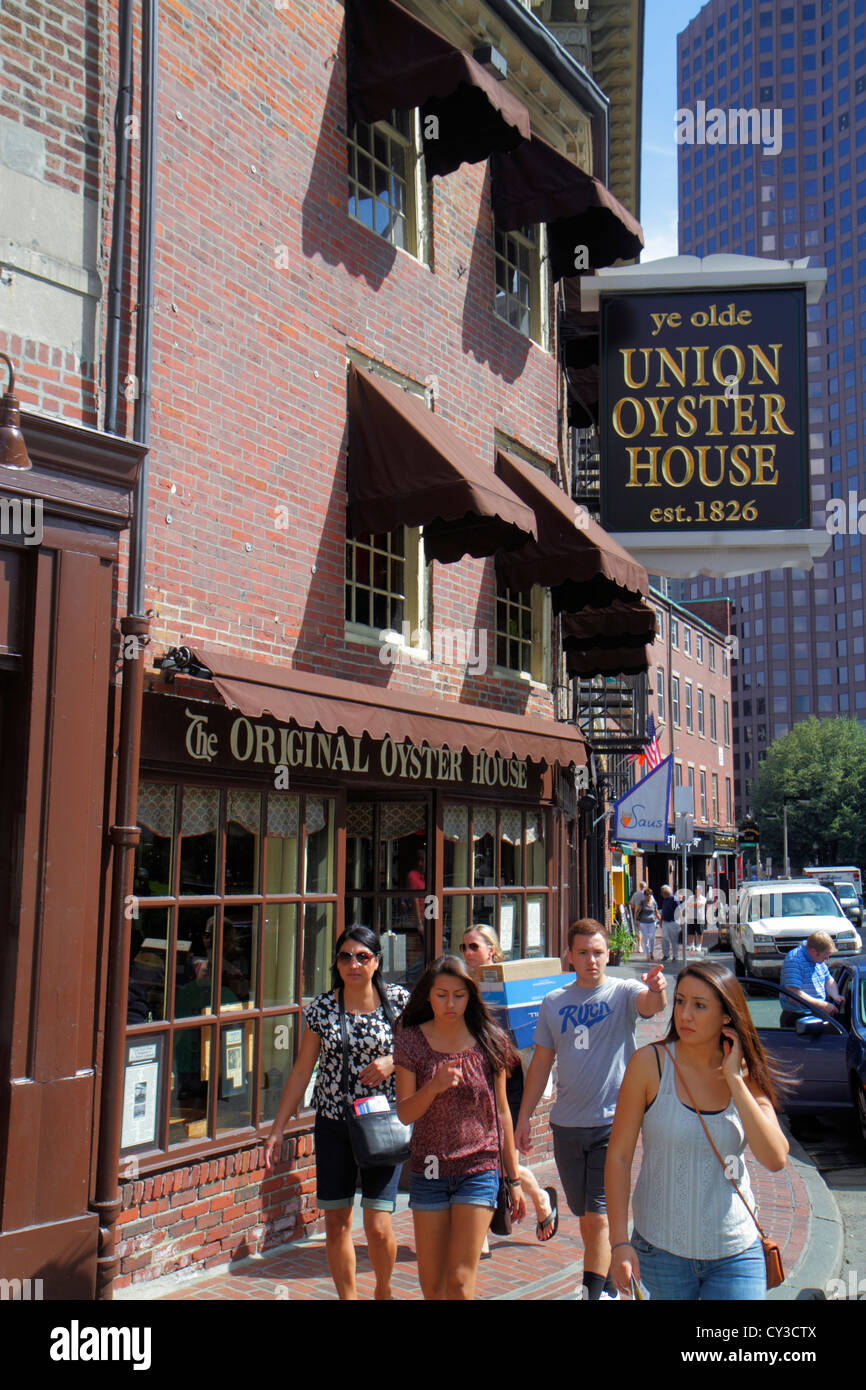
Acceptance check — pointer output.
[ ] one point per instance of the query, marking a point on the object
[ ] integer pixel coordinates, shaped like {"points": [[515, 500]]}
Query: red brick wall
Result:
{"points": [[51, 86]]}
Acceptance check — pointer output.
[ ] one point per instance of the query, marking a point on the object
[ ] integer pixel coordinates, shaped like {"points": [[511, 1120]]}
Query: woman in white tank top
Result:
{"points": [[693, 1238]]}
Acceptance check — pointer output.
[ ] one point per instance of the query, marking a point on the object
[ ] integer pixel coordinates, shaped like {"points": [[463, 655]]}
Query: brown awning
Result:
{"points": [[396, 61], [535, 183], [312, 701], [603, 661], [408, 468], [572, 556], [618, 625]]}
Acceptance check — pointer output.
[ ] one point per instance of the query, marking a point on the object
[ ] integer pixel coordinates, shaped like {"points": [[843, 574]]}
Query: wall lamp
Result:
{"points": [[13, 450]]}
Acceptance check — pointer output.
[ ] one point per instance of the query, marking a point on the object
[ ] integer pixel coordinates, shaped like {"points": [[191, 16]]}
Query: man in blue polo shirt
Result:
{"points": [[807, 980]]}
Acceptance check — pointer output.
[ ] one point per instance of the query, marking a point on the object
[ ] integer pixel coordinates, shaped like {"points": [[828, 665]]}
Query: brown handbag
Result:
{"points": [[772, 1253]]}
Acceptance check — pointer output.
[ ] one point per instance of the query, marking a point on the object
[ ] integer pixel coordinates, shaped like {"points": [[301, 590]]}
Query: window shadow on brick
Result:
{"points": [[487, 337]]}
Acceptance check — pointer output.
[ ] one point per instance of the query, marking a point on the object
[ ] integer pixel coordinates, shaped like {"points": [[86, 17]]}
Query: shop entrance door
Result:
{"points": [[390, 878]]}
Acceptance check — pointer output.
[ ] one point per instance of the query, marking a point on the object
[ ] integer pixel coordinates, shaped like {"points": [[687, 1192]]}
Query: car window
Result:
{"points": [[805, 904], [863, 1000]]}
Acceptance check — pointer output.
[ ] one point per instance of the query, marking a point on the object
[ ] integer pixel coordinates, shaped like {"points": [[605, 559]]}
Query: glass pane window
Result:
{"points": [[235, 1076], [514, 629], [381, 161], [280, 950], [517, 280], [243, 822], [275, 1063], [153, 854], [376, 580], [198, 840], [148, 954], [320, 871]]}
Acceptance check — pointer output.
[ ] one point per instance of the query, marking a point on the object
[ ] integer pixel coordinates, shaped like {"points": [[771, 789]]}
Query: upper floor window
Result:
{"points": [[675, 633], [700, 711], [521, 623], [518, 280], [689, 717], [385, 169], [687, 640], [711, 655], [699, 646], [675, 699], [660, 692]]}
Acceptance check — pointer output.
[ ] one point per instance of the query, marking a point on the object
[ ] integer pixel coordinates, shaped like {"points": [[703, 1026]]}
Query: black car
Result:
{"points": [[827, 1056]]}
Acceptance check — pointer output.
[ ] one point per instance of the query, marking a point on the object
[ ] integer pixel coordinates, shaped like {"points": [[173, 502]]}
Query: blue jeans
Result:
{"points": [[465, 1190], [732, 1278]]}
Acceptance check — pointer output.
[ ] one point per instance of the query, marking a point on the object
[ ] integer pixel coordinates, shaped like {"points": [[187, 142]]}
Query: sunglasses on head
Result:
{"points": [[362, 957]]}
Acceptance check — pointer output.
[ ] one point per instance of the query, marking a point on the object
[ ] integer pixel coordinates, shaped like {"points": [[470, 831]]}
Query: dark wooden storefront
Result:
{"points": [[57, 719]]}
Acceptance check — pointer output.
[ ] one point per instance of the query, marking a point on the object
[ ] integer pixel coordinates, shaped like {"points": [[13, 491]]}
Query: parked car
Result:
{"points": [[848, 899], [775, 915], [826, 1056]]}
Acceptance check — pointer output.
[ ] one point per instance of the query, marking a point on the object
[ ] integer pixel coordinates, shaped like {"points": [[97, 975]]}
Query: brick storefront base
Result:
{"points": [[197, 1217]]}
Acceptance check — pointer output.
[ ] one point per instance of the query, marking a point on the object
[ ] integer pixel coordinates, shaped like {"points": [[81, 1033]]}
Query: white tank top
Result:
{"points": [[682, 1202]]}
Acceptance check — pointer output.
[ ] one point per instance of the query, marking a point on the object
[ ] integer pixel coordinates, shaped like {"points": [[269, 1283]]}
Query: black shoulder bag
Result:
{"points": [[379, 1139]]}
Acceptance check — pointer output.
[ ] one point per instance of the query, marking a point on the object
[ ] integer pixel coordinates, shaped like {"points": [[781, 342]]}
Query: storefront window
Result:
{"points": [[499, 898], [393, 902], [244, 958]]}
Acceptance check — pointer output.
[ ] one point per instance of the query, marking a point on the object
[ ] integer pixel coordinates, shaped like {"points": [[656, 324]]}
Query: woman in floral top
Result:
{"points": [[357, 972], [451, 1061]]}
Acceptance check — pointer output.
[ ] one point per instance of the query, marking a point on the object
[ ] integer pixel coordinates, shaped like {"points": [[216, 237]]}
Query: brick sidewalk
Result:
{"points": [[519, 1267]]}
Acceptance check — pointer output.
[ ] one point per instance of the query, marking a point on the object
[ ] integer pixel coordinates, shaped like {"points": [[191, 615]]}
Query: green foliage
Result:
{"points": [[823, 760]]}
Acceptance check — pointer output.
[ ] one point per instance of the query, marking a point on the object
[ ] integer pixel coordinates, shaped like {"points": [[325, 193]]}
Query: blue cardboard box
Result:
{"points": [[514, 1003]]}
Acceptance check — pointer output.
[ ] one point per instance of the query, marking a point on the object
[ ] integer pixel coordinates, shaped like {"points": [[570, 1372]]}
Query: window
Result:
{"points": [[711, 655], [675, 633], [660, 620], [699, 646], [691, 781], [660, 692], [689, 724], [384, 588], [703, 787], [246, 878], [687, 640], [715, 798], [701, 711], [726, 723], [517, 268], [501, 880], [520, 628], [675, 700], [386, 180], [678, 774], [728, 804], [713, 731]]}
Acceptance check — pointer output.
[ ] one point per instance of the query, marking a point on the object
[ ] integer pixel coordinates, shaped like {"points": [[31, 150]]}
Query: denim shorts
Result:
{"points": [[337, 1172], [732, 1278], [463, 1190]]}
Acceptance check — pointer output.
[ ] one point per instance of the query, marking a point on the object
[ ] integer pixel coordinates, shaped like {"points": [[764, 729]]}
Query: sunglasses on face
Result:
{"points": [[362, 957], [469, 946]]}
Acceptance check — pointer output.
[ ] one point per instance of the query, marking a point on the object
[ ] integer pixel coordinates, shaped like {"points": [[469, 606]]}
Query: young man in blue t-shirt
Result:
{"points": [[588, 1028]]}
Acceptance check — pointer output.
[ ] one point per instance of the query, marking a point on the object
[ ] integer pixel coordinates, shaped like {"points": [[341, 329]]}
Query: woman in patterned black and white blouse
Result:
{"points": [[357, 971]]}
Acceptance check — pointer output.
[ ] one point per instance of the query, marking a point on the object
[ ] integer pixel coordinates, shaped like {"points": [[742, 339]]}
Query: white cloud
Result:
{"points": [[660, 234]]}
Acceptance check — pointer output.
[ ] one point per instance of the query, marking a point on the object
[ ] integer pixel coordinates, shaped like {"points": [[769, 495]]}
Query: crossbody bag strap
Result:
{"points": [[496, 1116], [344, 1037], [711, 1144]]}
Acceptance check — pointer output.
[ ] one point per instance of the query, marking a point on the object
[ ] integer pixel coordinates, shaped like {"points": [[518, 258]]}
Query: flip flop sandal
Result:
{"points": [[541, 1226]]}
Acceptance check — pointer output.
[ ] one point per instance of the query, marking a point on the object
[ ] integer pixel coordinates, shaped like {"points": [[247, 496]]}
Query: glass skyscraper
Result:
{"points": [[800, 634]]}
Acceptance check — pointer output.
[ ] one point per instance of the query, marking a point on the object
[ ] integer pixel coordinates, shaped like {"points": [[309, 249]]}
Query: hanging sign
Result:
{"points": [[642, 814], [704, 411]]}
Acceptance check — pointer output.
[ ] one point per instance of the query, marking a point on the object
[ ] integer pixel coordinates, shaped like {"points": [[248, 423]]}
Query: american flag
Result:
{"points": [[651, 754]]}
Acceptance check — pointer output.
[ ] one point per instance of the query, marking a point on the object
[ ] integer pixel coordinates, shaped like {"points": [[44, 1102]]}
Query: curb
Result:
{"points": [[822, 1255]]}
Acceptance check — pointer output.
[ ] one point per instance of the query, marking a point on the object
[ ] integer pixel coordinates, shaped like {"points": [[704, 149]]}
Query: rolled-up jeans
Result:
{"points": [[675, 1277]]}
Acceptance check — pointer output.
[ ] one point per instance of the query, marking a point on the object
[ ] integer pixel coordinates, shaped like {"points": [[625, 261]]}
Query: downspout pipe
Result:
{"points": [[135, 629], [122, 133]]}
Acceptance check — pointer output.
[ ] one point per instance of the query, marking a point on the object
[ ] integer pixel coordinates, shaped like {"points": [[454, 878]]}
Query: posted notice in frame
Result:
{"points": [[140, 1092]]}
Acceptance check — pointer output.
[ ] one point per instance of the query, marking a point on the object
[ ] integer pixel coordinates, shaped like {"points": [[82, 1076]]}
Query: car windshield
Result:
{"points": [[845, 890], [805, 904]]}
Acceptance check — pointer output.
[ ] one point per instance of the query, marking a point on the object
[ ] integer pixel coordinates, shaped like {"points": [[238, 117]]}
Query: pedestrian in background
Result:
{"points": [[647, 918], [693, 1237], [670, 923], [451, 1061]]}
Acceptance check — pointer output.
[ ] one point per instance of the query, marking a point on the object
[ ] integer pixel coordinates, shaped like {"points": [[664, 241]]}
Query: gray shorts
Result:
{"points": [[580, 1155]]}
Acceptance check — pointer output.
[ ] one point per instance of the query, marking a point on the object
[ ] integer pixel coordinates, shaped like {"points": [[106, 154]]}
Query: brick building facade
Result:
{"points": [[296, 661]]}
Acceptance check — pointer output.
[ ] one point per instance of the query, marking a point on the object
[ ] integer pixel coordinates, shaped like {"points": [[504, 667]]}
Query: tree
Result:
{"points": [[823, 760]]}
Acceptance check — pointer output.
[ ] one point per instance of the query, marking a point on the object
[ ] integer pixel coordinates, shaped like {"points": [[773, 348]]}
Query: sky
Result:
{"points": [[658, 214]]}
